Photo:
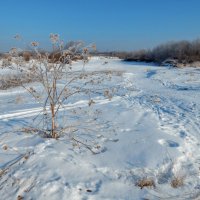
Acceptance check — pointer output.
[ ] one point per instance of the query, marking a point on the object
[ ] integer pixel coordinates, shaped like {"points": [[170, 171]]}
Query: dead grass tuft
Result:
{"points": [[146, 182], [26, 56], [5, 147], [177, 182], [19, 197]]}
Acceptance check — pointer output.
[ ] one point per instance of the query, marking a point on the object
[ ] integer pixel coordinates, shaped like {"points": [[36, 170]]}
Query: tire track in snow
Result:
{"points": [[35, 111]]}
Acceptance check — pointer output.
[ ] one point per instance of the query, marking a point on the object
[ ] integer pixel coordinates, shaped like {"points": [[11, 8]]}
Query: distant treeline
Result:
{"points": [[181, 52]]}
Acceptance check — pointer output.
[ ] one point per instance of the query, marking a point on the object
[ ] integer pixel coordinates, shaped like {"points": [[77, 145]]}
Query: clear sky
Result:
{"points": [[111, 24]]}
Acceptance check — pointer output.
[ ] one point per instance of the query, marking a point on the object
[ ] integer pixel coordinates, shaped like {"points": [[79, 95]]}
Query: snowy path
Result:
{"points": [[156, 117]]}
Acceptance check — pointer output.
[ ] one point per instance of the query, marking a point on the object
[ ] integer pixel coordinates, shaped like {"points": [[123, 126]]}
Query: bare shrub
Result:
{"points": [[48, 72], [59, 82]]}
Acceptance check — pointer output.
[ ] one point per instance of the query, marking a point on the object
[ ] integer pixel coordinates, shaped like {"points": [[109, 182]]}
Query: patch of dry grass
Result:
{"points": [[11, 81]]}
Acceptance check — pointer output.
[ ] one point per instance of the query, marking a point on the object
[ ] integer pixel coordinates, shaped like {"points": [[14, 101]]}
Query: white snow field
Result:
{"points": [[150, 131]]}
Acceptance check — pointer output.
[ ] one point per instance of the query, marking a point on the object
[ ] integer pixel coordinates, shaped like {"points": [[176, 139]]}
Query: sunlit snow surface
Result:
{"points": [[152, 131]]}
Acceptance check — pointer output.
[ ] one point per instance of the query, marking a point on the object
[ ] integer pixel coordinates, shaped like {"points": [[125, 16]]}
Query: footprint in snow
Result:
{"points": [[183, 134], [169, 143]]}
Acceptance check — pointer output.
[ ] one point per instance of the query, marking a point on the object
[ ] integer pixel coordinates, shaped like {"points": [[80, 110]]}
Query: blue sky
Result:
{"points": [[111, 24]]}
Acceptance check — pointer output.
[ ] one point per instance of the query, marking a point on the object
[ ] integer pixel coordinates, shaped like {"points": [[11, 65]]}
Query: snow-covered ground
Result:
{"points": [[150, 131]]}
